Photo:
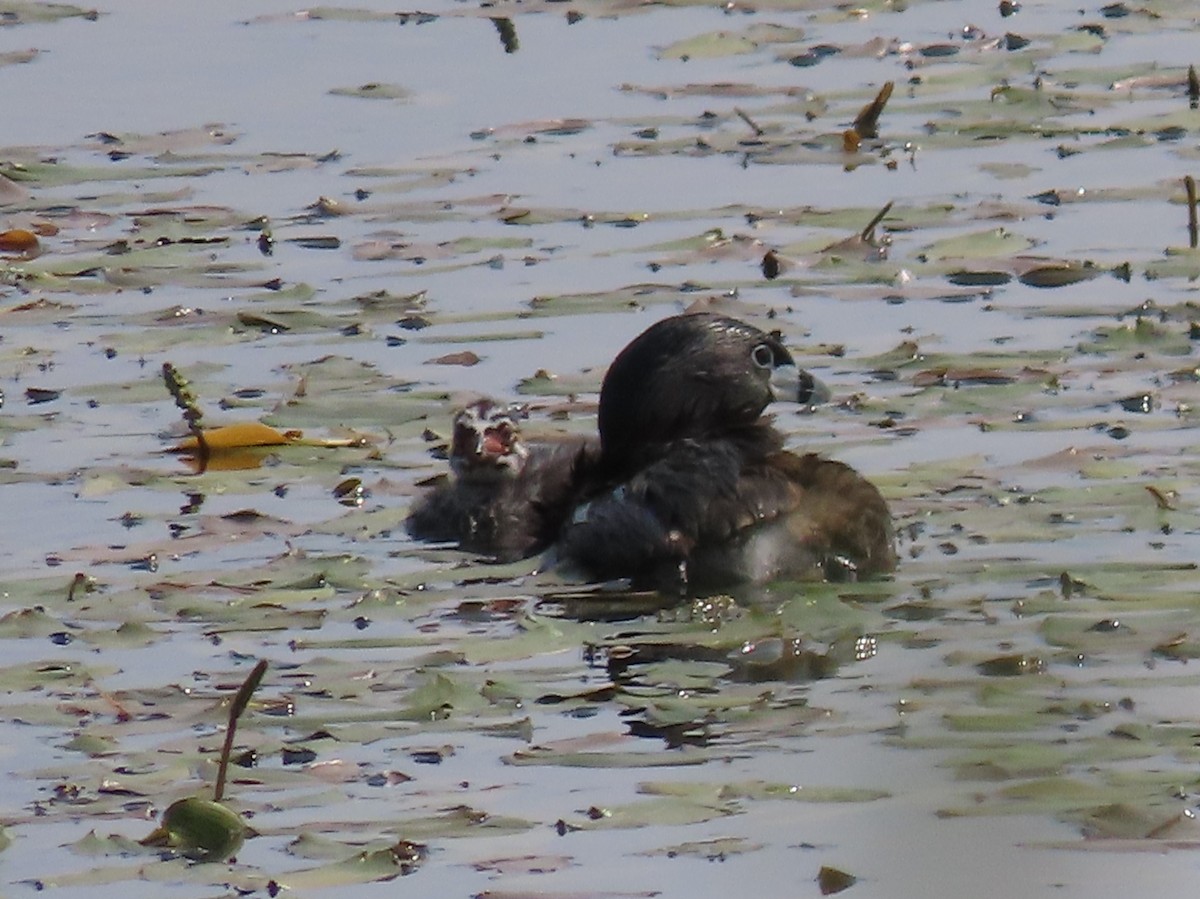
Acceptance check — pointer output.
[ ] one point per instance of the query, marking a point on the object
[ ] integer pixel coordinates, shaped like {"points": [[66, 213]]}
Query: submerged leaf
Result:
{"points": [[373, 91]]}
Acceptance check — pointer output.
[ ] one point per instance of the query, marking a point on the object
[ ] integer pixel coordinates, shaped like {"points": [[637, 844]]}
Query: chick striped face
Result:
{"points": [[486, 443]]}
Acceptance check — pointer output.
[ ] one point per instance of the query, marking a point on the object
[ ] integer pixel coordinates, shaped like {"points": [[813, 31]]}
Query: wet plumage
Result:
{"points": [[689, 485]]}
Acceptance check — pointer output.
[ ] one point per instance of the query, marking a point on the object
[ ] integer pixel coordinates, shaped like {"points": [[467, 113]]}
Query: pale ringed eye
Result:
{"points": [[762, 356]]}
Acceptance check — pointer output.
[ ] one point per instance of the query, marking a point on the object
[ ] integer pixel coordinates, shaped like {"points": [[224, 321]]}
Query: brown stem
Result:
{"points": [[79, 582], [240, 700], [868, 232], [1189, 184], [866, 123], [182, 394], [758, 132]]}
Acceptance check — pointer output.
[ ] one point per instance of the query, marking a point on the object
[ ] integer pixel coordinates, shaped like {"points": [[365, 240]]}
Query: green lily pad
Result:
{"points": [[199, 829]]}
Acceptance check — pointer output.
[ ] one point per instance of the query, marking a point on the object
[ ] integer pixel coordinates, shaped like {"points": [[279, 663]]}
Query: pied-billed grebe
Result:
{"points": [[506, 499], [688, 485]]}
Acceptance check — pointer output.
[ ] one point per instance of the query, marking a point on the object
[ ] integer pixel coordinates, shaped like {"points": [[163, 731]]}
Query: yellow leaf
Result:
{"points": [[19, 241], [238, 436]]}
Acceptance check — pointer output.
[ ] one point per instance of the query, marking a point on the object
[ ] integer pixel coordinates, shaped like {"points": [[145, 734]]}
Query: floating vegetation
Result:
{"points": [[982, 236]]}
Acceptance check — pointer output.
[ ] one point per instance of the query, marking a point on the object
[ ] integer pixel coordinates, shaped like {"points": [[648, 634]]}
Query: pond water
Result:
{"points": [[1013, 362]]}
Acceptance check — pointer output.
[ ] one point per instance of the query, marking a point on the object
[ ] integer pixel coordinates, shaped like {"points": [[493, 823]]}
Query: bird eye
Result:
{"points": [[762, 356]]}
